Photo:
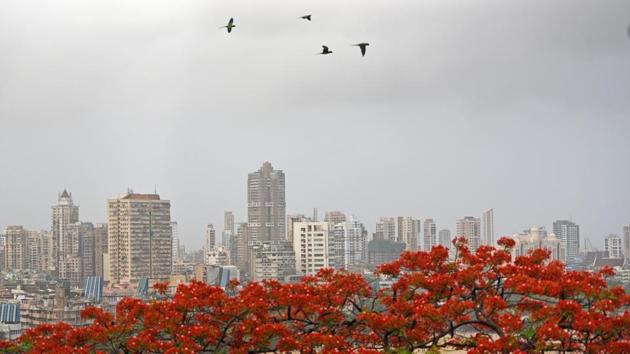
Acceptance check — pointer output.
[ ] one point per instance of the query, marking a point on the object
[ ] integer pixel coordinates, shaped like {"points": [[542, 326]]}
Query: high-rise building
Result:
{"points": [[444, 236], [39, 250], [291, 219], [228, 229], [430, 234], [87, 250], [175, 243], [271, 260], [312, 246], [139, 238], [350, 245], [383, 251], [385, 229], [334, 217], [211, 240], [238, 248], [469, 227], [626, 240], [612, 245], [100, 249], [266, 205], [537, 238], [16, 252], [569, 233], [488, 228], [65, 213], [408, 232]]}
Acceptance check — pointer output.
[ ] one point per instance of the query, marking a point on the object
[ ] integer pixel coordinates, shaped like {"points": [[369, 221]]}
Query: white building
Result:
{"points": [[210, 238], [430, 234], [350, 244], [488, 228], [535, 238], [469, 227], [217, 256], [409, 232], [613, 246], [312, 246], [385, 229], [569, 233]]}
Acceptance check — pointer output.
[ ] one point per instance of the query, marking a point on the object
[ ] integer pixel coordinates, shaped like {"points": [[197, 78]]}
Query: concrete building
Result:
{"points": [[626, 240], [408, 232], [470, 228], [239, 255], [87, 251], [444, 237], [139, 238], [488, 228], [383, 251], [100, 249], [40, 251], [537, 238], [334, 217], [430, 234], [291, 219], [65, 213], [613, 247], [16, 248], [350, 245], [217, 256], [271, 260], [228, 221], [312, 246], [569, 233], [385, 229], [210, 238], [176, 247], [266, 204]]}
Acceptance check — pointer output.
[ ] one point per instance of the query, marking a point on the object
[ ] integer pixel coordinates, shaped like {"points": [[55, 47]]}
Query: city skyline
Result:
{"points": [[519, 106]]}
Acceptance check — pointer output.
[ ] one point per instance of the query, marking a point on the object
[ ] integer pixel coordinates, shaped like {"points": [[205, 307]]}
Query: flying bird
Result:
{"points": [[306, 17], [325, 50], [363, 47], [230, 25]]}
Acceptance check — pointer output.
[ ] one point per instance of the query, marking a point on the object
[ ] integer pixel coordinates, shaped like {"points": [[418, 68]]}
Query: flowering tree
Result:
{"points": [[483, 302]]}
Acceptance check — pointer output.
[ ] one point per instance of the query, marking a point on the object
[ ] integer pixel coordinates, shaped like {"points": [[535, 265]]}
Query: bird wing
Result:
{"points": [[231, 22], [229, 29], [362, 49], [325, 48], [308, 17]]}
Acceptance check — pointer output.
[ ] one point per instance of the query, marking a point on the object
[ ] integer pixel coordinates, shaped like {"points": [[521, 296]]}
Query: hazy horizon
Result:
{"points": [[457, 107]]}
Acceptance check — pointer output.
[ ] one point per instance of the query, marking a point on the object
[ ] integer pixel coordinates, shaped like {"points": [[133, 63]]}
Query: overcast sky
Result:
{"points": [[459, 106]]}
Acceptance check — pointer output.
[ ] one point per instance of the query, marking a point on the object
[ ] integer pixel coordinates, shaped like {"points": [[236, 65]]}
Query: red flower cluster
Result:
{"points": [[483, 302]]}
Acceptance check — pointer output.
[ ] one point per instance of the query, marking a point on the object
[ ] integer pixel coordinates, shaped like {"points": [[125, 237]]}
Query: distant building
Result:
{"points": [[228, 221], [176, 246], [266, 204], [216, 275], [350, 245], [217, 256], [140, 238], [569, 233], [64, 214], [430, 234], [312, 246], [626, 240], [291, 219], [612, 245], [469, 227], [210, 238], [444, 237], [239, 255], [100, 249], [334, 217], [384, 251], [271, 260], [488, 228], [408, 232], [16, 248], [385, 229], [537, 238]]}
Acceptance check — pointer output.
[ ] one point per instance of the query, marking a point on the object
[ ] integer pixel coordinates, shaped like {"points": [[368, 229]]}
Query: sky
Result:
{"points": [[459, 106]]}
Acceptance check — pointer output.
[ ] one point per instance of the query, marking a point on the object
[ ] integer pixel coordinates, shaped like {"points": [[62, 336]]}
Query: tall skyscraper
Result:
{"points": [[350, 244], [569, 233], [266, 204], [430, 234], [626, 240], [65, 213], [210, 238], [238, 248], [470, 228], [312, 246], [488, 228], [139, 238], [228, 221], [385, 229], [175, 243], [100, 249], [444, 236], [16, 251], [612, 245], [39, 249], [408, 232]]}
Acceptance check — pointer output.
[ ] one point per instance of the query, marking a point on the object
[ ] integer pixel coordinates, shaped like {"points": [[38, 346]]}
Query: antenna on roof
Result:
{"points": [[155, 189]]}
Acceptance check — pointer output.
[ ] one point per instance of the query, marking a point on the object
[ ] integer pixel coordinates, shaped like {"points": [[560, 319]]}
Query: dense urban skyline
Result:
{"points": [[518, 106]]}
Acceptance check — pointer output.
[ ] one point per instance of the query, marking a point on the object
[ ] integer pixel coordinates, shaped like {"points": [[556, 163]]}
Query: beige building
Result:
{"points": [[470, 228], [313, 247], [535, 238], [139, 238], [64, 214], [385, 229], [266, 205], [16, 248], [271, 260]]}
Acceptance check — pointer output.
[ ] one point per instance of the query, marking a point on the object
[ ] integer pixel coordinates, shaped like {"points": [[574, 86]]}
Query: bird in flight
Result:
{"points": [[325, 50], [306, 17], [230, 25], [363, 47]]}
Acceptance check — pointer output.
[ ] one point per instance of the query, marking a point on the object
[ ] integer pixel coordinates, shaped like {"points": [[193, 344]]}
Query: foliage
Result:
{"points": [[482, 302]]}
